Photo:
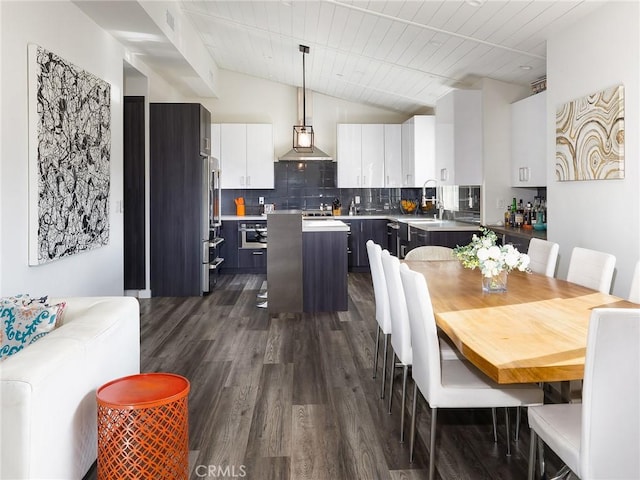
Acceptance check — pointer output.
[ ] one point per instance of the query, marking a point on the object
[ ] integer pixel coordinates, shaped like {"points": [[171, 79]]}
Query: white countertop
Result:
{"points": [[423, 223], [324, 226], [431, 224]]}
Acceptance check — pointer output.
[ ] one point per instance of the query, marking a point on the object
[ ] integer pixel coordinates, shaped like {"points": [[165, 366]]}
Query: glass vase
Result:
{"points": [[495, 284]]}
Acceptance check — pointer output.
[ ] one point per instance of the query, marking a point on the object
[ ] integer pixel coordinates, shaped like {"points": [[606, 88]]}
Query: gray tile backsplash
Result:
{"points": [[305, 185]]}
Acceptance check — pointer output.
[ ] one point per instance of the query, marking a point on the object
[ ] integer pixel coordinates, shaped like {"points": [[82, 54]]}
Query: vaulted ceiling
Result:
{"points": [[398, 55]]}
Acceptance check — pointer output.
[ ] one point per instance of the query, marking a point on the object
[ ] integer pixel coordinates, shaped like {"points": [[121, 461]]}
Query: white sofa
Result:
{"points": [[48, 405]]}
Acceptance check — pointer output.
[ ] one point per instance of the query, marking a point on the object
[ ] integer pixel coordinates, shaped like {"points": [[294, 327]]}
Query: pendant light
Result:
{"points": [[303, 134], [304, 147]]}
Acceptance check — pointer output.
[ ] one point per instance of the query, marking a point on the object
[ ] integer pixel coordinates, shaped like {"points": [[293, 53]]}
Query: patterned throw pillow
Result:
{"points": [[24, 321]]}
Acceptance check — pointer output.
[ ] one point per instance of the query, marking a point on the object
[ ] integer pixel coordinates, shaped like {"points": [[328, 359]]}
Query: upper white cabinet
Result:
{"points": [[361, 152], [418, 150], [459, 138], [528, 141], [246, 155], [393, 155]]}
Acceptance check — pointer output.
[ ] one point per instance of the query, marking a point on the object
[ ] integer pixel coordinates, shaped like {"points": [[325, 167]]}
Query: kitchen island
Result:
{"points": [[307, 264], [324, 265]]}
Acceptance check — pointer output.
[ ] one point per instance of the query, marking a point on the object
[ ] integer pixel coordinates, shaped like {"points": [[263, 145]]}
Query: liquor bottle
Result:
{"points": [[519, 215], [507, 216], [528, 213]]}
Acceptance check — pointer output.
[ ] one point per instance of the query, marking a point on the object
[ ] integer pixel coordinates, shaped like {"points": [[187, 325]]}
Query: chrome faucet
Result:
{"points": [[424, 193], [435, 201]]}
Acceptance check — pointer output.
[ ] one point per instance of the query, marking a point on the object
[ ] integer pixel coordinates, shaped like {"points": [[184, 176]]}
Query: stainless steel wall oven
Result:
{"points": [[253, 235]]}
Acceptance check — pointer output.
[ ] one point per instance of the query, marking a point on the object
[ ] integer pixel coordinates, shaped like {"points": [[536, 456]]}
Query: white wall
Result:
{"points": [[62, 28], [247, 99], [497, 98], [599, 51]]}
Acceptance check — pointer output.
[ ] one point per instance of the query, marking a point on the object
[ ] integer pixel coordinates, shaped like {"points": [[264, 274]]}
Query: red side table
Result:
{"points": [[143, 428]]}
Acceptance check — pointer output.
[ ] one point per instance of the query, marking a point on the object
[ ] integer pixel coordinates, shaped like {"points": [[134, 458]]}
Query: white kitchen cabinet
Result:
{"points": [[418, 150], [360, 155], [246, 155], [459, 138], [528, 141], [393, 155], [260, 171]]}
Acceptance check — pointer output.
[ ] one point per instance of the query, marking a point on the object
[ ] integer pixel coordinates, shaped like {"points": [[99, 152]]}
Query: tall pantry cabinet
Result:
{"points": [[180, 142]]}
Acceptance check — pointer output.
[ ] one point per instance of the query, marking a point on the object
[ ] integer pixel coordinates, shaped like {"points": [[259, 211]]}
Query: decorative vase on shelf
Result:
{"points": [[495, 284]]}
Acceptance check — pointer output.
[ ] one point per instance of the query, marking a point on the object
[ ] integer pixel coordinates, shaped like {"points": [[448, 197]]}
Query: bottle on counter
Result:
{"points": [[507, 216], [512, 218], [519, 215], [528, 215]]}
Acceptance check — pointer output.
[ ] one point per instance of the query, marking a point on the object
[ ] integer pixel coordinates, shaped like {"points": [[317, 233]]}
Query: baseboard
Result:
{"points": [[146, 293]]}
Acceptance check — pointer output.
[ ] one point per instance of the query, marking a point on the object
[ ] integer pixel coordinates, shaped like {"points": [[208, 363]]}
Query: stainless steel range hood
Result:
{"points": [[295, 156]]}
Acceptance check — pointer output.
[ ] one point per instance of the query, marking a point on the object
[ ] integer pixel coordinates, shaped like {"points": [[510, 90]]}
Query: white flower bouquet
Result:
{"points": [[492, 259]]}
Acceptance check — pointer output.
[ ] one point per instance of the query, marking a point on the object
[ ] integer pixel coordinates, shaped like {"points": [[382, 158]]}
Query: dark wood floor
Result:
{"points": [[292, 396]]}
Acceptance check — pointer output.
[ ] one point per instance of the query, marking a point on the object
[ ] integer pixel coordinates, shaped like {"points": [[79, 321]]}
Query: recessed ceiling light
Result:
{"points": [[526, 67], [475, 3], [435, 43], [339, 75]]}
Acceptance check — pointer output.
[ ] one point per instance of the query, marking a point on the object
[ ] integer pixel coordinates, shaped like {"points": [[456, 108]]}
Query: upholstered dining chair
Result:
{"points": [[400, 335], [383, 313], [449, 384], [400, 329], [591, 269], [599, 438], [634, 291], [430, 252], [543, 255]]}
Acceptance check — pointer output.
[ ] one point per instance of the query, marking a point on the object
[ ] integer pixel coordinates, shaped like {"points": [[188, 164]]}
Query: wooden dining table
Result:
{"points": [[536, 331]]}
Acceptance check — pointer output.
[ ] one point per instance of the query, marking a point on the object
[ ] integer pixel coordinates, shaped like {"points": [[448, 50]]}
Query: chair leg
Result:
{"points": [[393, 365], [541, 457], [516, 437], [532, 455], [412, 433], [405, 374], [495, 425], [375, 355], [384, 364], [508, 427], [432, 443]]}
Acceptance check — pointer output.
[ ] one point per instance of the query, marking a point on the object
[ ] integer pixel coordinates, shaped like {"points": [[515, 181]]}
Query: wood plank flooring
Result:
{"points": [[291, 397]]}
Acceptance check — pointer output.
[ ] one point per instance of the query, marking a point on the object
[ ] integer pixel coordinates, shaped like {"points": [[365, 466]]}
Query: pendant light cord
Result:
{"points": [[304, 94]]}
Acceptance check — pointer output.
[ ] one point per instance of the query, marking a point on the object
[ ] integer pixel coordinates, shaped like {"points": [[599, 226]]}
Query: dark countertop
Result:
{"points": [[519, 232]]}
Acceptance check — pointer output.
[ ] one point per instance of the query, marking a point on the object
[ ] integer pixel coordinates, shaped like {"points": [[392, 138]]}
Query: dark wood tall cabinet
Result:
{"points": [[177, 163], [134, 194]]}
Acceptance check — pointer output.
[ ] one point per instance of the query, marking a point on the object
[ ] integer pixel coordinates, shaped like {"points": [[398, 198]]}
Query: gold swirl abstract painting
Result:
{"points": [[590, 137]]}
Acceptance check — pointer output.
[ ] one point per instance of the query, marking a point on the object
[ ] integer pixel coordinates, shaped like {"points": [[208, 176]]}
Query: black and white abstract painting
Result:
{"points": [[69, 158]]}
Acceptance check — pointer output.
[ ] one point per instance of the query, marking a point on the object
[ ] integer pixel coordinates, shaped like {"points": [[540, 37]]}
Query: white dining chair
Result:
{"points": [[449, 384], [383, 313], [400, 329], [634, 291], [430, 252], [543, 256], [591, 269], [599, 438]]}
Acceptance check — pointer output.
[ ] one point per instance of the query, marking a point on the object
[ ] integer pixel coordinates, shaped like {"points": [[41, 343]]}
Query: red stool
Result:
{"points": [[143, 428]]}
